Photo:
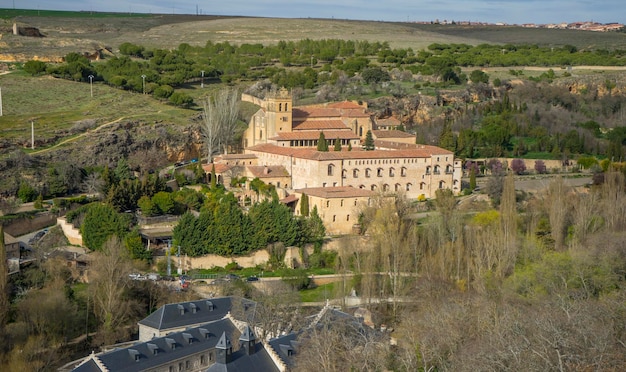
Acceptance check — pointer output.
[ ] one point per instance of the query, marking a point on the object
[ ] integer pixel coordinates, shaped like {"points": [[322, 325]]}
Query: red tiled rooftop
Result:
{"points": [[414, 151], [219, 168], [320, 125], [391, 134], [268, 171], [313, 135], [336, 192]]}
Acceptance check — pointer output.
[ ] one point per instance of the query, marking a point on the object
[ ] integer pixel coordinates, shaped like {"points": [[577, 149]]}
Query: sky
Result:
{"points": [[493, 11]]}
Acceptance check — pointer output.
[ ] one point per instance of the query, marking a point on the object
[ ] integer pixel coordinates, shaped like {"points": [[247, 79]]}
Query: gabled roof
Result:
{"points": [[391, 134], [336, 192], [159, 351], [318, 125], [289, 199], [314, 135], [224, 342], [285, 347], [268, 171], [182, 314], [389, 121], [219, 167], [408, 151], [259, 361]]}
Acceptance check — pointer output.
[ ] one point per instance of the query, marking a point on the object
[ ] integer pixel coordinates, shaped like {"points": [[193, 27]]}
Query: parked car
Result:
{"points": [[252, 279], [230, 277]]}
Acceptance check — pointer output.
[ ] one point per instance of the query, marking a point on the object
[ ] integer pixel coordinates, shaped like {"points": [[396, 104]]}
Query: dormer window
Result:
{"points": [[209, 306], [194, 308], [181, 309], [205, 333], [134, 354], [188, 337], [171, 343], [153, 348]]}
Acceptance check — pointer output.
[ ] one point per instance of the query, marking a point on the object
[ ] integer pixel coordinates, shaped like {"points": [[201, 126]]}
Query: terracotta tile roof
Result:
{"points": [[391, 134], [219, 168], [336, 192], [315, 112], [268, 171], [237, 156], [359, 113], [409, 151], [313, 135], [289, 199], [389, 121], [345, 105], [320, 125]]}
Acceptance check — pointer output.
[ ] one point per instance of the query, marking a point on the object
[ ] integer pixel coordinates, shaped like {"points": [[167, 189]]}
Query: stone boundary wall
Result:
{"points": [[252, 99], [72, 234]]}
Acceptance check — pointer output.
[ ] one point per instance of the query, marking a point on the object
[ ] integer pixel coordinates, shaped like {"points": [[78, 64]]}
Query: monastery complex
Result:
{"points": [[280, 148]]}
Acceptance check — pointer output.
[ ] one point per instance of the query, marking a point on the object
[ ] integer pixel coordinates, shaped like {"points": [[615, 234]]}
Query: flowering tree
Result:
{"points": [[540, 167], [518, 166]]}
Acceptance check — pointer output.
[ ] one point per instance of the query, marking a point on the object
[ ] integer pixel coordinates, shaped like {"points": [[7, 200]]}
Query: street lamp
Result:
{"points": [[143, 84], [91, 84], [202, 82]]}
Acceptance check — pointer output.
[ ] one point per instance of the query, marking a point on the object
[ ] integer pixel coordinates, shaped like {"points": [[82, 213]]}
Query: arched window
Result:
{"points": [[379, 172], [442, 184], [392, 172], [280, 107], [373, 187], [408, 187], [344, 173], [428, 169], [286, 107], [437, 169], [331, 169], [368, 172], [362, 187], [341, 203], [355, 173], [397, 187], [385, 187], [449, 169], [422, 185], [403, 172]]}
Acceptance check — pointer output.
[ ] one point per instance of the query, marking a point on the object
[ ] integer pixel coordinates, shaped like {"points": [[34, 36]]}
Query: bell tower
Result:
{"points": [[279, 107]]}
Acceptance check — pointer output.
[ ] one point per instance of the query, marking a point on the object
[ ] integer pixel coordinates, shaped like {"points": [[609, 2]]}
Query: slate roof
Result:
{"points": [[159, 351], [182, 314], [260, 361], [285, 347]]}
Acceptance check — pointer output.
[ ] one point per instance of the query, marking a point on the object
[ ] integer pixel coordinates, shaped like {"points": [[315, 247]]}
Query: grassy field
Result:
{"points": [[56, 104]]}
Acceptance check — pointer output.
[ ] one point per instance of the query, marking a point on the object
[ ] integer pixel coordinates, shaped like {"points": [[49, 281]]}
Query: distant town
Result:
{"points": [[584, 26]]}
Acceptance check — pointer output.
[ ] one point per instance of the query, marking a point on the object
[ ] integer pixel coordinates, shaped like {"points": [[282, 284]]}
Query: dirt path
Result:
{"points": [[79, 136]]}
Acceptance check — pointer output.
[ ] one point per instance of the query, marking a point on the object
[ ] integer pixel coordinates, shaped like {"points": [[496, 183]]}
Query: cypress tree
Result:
{"points": [[322, 145], [304, 205], [213, 180], [337, 145], [369, 141]]}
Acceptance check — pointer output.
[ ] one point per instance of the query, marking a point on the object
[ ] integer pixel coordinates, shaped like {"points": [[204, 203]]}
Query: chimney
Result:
{"points": [[266, 170]]}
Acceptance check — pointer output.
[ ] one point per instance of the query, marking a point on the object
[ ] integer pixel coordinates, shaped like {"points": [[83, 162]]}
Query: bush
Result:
{"points": [[518, 166]]}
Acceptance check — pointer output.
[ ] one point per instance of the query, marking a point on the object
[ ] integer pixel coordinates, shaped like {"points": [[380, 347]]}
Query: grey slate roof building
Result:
{"points": [[178, 316], [251, 356]]}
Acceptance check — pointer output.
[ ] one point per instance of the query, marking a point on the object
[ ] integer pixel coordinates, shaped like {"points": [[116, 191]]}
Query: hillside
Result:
{"points": [[64, 34]]}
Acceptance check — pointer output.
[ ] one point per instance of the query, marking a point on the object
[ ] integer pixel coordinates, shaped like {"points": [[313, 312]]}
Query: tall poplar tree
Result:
{"points": [[322, 144]]}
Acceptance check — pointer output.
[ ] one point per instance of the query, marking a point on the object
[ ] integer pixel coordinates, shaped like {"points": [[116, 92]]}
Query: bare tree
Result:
{"points": [[220, 121], [108, 277]]}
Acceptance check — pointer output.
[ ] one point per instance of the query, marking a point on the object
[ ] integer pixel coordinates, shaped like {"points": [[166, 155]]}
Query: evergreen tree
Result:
{"points": [[349, 146], [135, 247], [337, 145], [472, 180], [122, 170], [322, 145], [213, 177], [369, 141], [101, 222], [447, 139], [304, 205], [316, 226]]}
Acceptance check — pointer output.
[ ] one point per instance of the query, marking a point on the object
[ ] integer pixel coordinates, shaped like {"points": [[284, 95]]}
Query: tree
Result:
{"points": [[101, 222], [108, 285], [26, 192], [369, 141], [134, 246], [35, 67], [164, 202], [518, 166], [181, 99], [472, 180], [337, 145], [540, 167], [219, 121], [375, 75], [478, 76], [304, 205], [322, 144], [148, 208]]}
